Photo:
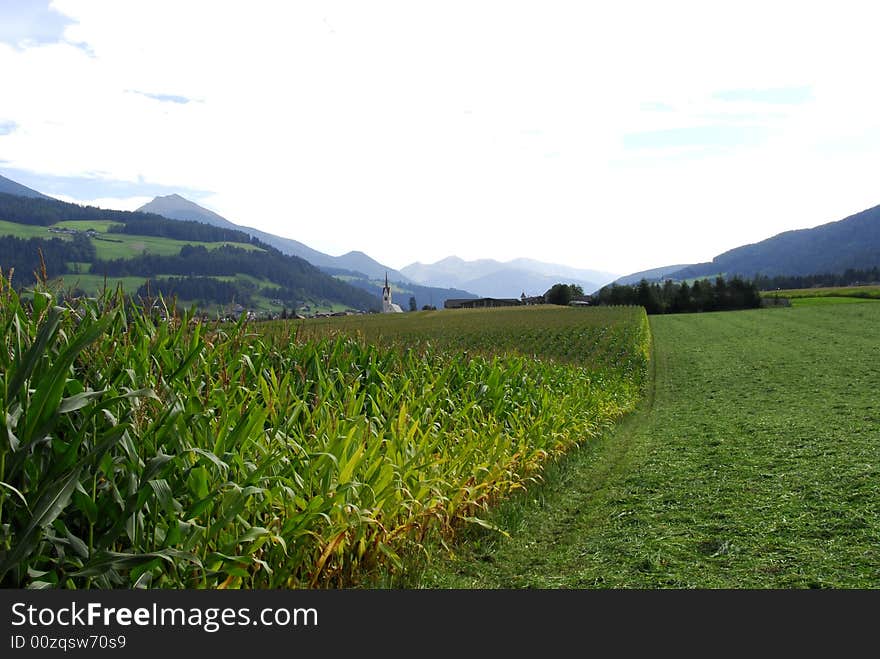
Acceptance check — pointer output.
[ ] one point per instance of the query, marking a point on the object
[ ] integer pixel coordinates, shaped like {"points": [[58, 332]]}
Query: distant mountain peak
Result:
{"points": [[8, 186], [178, 201], [176, 207], [491, 278]]}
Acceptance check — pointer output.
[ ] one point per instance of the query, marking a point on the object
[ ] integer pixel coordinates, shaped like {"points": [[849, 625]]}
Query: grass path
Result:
{"points": [[753, 463]]}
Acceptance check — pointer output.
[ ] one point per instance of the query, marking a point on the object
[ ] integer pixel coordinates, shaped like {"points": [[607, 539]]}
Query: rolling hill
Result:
{"points": [[850, 243], [87, 247], [853, 242], [654, 274], [176, 207]]}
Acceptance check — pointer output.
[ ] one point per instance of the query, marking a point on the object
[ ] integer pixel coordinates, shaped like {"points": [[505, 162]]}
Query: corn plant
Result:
{"points": [[142, 452]]}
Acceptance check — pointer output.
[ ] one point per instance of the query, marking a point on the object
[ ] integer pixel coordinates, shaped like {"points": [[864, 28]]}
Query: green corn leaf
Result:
{"points": [[210, 456], [197, 481], [155, 465], [486, 525], [107, 560], [190, 358], [348, 469], [41, 301], [48, 506], [253, 533], [84, 504], [165, 496], [78, 401], [45, 335], [78, 546], [12, 418], [392, 555], [17, 493], [50, 388]]}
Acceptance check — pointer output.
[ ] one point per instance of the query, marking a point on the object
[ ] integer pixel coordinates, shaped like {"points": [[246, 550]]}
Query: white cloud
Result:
{"points": [[494, 129], [118, 203]]}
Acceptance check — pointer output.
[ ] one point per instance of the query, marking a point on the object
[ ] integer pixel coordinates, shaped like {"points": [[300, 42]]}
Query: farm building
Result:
{"points": [[534, 299]]}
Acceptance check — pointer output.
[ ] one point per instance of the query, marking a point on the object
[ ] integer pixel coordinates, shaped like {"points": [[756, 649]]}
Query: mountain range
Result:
{"points": [[85, 249], [429, 284], [833, 247], [355, 268], [490, 278], [175, 207], [850, 243]]}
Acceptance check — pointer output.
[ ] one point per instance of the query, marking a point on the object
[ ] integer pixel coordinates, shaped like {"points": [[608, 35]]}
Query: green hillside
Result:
{"points": [[85, 249], [853, 242]]}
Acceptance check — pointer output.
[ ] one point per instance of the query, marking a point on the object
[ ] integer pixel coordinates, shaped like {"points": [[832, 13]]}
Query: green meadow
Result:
{"points": [[96, 284], [753, 462], [112, 245], [23, 230], [826, 295]]}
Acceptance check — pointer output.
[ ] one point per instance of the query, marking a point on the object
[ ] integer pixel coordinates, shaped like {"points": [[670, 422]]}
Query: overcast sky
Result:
{"points": [[616, 136]]}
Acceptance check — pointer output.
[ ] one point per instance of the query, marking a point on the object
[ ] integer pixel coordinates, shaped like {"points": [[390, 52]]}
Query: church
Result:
{"points": [[387, 305]]}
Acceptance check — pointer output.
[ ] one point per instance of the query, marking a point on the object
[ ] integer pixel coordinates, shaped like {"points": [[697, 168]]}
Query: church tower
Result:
{"points": [[387, 305], [386, 297]]}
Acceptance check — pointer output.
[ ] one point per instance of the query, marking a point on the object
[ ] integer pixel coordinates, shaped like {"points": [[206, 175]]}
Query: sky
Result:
{"points": [[614, 136]]}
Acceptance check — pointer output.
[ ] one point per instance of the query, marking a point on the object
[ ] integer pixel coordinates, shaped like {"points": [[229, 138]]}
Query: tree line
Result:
{"points": [[35, 211], [563, 293], [142, 224], [203, 289], [849, 277], [194, 265], [297, 278], [674, 297], [45, 212], [23, 255]]}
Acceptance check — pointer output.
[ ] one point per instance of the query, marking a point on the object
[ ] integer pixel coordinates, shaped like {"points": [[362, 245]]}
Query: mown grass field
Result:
{"points": [[142, 453], [830, 295], [754, 463], [23, 230]]}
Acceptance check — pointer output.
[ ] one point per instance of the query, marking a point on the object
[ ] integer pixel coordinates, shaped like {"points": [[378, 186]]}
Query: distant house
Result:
{"points": [[480, 303], [535, 299]]}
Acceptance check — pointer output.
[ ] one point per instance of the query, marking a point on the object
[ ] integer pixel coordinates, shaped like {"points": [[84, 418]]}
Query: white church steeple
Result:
{"points": [[387, 305]]}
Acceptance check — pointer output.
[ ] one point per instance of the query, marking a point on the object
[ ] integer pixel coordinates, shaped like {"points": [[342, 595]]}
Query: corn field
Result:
{"points": [[142, 453]]}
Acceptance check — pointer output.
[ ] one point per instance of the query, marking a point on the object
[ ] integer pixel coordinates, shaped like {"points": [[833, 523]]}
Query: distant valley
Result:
{"points": [[161, 228], [355, 268], [490, 278]]}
